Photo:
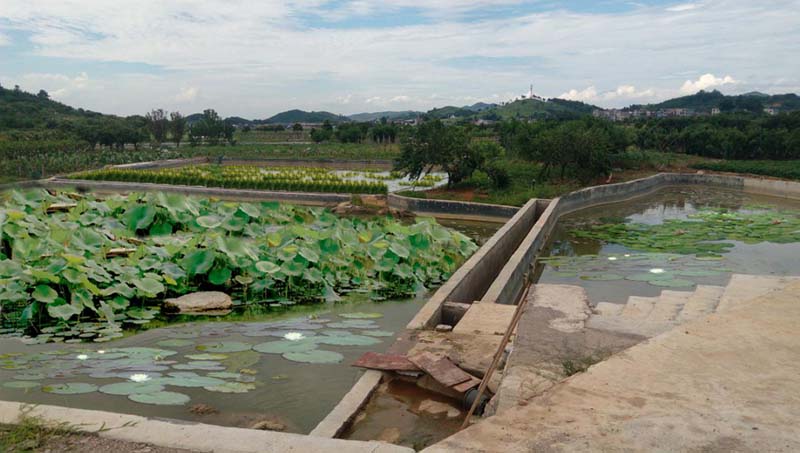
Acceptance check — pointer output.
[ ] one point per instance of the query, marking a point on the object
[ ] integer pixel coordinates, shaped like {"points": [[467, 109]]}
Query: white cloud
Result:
{"points": [[621, 93], [585, 95], [187, 94], [683, 7], [705, 82], [60, 86], [4, 40], [254, 58]]}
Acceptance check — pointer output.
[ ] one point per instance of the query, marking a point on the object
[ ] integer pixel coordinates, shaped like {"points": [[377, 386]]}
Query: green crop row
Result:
{"points": [[787, 169]]}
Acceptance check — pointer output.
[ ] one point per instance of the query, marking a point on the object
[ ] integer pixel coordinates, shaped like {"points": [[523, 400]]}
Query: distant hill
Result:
{"points": [[479, 106], [704, 101], [22, 110], [390, 115], [301, 116]]}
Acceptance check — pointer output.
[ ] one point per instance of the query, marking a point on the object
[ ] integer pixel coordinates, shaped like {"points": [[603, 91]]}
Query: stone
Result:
{"points": [[203, 409], [268, 425], [200, 303], [390, 435], [444, 328], [434, 407]]}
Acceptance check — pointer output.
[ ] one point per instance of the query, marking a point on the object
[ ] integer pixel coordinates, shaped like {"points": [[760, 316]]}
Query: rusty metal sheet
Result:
{"points": [[441, 369], [466, 385], [386, 362]]}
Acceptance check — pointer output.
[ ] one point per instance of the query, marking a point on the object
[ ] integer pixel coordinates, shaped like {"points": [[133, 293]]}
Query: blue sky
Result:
{"points": [[254, 58]]}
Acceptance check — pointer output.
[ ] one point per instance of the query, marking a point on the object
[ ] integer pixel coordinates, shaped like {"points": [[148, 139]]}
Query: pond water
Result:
{"points": [[291, 368], [674, 239]]}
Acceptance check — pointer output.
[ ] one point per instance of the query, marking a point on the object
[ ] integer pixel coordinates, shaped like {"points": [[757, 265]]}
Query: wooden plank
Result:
{"points": [[441, 369], [387, 362]]}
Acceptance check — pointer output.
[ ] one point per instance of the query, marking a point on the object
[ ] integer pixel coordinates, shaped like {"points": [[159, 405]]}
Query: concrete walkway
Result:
{"points": [[722, 383]]}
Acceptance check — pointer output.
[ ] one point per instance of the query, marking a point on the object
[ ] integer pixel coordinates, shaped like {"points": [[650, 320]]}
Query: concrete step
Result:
{"points": [[638, 307], [743, 288], [702, 302], [667, 307], [608, 308]]}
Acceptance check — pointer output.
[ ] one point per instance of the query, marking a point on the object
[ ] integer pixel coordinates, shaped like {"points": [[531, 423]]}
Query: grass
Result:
{"points": [[786, 169], [30, 434], [338, 151]]}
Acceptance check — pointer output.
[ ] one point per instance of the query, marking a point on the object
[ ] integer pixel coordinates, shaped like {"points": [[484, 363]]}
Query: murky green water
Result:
{"points": [[611, 272], [280, 386]]}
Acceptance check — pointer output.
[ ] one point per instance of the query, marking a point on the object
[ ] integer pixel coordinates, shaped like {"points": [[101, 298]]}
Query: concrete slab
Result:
{"points": [[743, 288], [486, 319], [473, 353], [702, 302], [569, 300], [726, 382], [638, 307], [191, 436]]}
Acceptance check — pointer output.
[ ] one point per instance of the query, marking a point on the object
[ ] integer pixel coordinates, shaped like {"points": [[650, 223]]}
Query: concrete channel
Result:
{"points": [[493, 276]]}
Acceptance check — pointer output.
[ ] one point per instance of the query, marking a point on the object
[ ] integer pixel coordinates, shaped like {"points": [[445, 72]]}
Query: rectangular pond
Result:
{"points": [[675, 238]]}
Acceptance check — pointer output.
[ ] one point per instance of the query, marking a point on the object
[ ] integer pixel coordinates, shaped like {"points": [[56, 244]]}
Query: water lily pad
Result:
{"points": [[70, 388], [697, 273], [347, 340], [25, 385], [282, 346], [175, 343], [231, 387], [190, 380], [29, 377], [161, 398], [206, 356], [602, 277], [353, 324], [672, 283], [315, 356], [130, 388], [207, 365], [361, 315], [223, 347]]}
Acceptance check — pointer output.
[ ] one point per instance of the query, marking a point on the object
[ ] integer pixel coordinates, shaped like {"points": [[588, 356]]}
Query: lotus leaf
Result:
{"points": [[231, 387], [224, 347], [279, 347], [361, 315], [161, 398], [175, 343], [130, 388], [314, 356], [70, 388], [347, 340]]}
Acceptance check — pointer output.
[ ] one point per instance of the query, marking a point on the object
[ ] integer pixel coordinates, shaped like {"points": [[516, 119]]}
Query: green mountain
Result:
{"points": [[754, 101], [22, 110], [301, 116], [536, 109], [390, 115]]}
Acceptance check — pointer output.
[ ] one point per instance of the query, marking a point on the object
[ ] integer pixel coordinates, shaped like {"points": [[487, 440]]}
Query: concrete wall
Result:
{"points": [[462, 210], [508, 285], [472, 279]]}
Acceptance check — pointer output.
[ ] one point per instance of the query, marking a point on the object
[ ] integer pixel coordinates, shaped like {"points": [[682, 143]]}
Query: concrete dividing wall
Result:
{"points": [[472, 279], [462, 210], [508, 286]]}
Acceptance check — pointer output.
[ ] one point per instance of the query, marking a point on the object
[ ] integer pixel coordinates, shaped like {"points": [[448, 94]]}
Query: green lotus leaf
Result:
{"points": [[44, 294], [70, 388], [25, 385], [62, 310], [602, 277], [148, 286], [190, 380], [130, 388], [224, 347], [175, 343], [347, 340], [267, 267], [672, 283], [161, 398], [198, 262], [206, 357], [231, 387], [315, 356], [209, 221], [219, 275], [140, 217], [279, 347], [378, 333], [199, 365]]}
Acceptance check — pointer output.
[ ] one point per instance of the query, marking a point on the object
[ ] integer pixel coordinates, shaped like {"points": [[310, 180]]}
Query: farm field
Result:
{"points": [[305, 179]]}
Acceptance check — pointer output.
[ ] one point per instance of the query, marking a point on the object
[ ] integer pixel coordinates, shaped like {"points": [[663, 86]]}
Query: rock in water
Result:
{"points": [[201, 303]]}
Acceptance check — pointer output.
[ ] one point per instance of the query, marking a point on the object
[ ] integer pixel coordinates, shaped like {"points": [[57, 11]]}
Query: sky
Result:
{"points": [[255, 58]]}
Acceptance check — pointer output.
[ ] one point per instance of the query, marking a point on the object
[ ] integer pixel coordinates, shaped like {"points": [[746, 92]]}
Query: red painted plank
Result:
{"points": [[387, 362], [440, 369]]}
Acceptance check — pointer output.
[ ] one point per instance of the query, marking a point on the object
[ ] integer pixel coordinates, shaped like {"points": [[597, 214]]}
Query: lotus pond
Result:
{"points": [[674, 239], [83, 278]]}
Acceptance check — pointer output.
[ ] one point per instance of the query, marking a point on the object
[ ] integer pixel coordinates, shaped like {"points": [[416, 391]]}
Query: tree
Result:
{"points": [[157, 124], [43, 94], [297, 127], [177, 126], [431, 145]]}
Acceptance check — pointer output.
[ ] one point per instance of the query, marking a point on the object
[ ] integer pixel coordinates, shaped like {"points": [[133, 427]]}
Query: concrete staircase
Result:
{"points": [[651, 316]]}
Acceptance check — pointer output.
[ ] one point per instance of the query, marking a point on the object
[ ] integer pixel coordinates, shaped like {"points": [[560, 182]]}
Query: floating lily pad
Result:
{"points": [[672, 283], [225, 375], [231, 387], [207, 365], [602, 277], [206, 356], [130, 388], [353, 324], [222, 347], [29, 377], [347, 340], [697, 273], [315, 356], [282, 346], [161, 398], [71, 388], [361, 315], [25, 385], [175, 343], [190, 380], [647, 277]]}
